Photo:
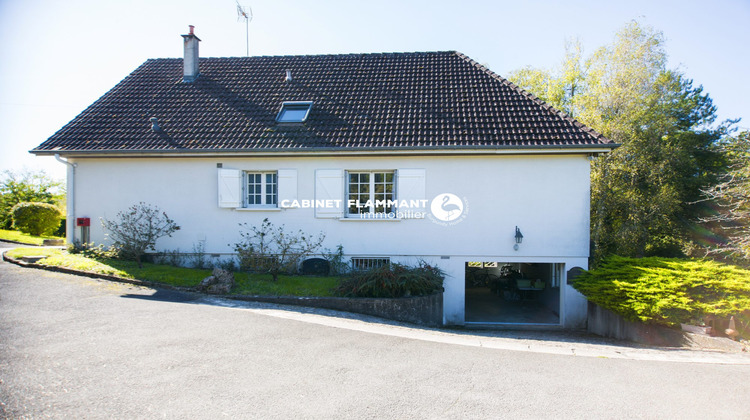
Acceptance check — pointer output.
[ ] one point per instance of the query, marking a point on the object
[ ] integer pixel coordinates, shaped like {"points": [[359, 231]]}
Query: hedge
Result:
{"points": [[36, 218], [667, 291]]}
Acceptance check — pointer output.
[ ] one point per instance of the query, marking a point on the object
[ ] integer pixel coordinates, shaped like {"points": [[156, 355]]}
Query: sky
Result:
{"points": [[58, 57]]}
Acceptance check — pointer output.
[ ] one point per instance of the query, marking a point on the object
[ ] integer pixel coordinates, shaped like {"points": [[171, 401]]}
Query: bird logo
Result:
{"points": [[447, 207]]}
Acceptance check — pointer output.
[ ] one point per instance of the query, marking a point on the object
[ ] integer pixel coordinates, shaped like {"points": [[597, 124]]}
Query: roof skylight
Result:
{"points": [[294, 112]]}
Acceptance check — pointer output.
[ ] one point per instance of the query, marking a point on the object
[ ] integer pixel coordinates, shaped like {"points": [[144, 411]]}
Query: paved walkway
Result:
{"points": [[573, 343]]}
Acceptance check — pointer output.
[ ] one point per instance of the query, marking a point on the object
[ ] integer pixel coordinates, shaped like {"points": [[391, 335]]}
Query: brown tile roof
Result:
{"points": [[429, 100]]}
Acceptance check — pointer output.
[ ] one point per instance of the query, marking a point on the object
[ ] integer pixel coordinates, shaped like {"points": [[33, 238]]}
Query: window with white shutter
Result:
{"points": [[329, 185], [256, 189], [230, 187], [287, 185], [411, 188]]}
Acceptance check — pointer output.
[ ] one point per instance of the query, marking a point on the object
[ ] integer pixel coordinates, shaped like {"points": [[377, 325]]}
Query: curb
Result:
{"points": [[93, 275], [18, 243]]}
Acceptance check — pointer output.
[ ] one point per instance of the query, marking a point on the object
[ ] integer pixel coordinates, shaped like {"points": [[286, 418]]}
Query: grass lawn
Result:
{"points": [[24, 238], [263, 284], [245, 283]]}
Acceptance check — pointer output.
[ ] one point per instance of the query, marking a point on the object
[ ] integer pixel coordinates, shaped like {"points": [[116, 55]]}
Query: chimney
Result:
{"points": [[190, 62]]}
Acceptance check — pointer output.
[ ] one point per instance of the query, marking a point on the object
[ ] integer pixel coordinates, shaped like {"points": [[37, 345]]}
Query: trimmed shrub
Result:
{"points": [[667, 291], [38, 219], [393, 280]]}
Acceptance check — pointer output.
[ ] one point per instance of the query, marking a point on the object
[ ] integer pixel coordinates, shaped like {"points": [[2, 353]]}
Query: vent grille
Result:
{"points": [[368, 263]]}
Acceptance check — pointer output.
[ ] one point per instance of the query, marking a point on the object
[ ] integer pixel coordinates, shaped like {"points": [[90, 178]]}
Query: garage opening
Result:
{"points": [[513, 293]]}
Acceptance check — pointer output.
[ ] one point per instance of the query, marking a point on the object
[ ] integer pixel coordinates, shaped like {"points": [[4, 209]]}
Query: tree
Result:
{"points": [[272, 250], [730, 198], [558, 87], [665, 126], [27, 186], [136, 230]]}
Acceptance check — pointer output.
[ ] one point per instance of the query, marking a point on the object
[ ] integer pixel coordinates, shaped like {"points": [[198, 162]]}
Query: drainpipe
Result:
{"points": [[70, 218]]}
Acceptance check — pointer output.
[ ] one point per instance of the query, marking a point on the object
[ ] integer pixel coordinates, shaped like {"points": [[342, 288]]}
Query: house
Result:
{"points": [[398, 157]]}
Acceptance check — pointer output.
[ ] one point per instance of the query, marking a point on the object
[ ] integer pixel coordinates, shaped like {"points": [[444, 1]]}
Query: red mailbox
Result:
{"points": [[83, 221]]}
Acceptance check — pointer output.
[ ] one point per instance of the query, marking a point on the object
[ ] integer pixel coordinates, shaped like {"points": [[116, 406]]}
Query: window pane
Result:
{"points": [[293, 113], [370, 186], [262, 188], [253, 189]]}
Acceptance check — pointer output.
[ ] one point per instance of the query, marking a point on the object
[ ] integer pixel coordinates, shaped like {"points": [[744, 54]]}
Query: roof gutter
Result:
{"points": [[70, 205], [317, 151]]}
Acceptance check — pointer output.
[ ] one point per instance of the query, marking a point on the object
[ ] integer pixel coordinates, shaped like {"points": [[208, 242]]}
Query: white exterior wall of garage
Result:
{"points": [[545, 194]]}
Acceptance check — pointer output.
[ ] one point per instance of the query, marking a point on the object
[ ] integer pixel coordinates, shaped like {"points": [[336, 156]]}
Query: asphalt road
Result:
{"points": [[73, 347]]}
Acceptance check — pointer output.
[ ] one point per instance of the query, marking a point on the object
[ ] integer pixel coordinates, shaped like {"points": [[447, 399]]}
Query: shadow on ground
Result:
{"points": [[550, 335], [162, 295]]}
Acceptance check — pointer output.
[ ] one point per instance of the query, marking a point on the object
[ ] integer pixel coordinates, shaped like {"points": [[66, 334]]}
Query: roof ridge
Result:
{"points": [[562, 114], [385, 53]]}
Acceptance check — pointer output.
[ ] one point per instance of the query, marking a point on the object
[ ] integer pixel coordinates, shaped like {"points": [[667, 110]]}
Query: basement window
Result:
{"points": [[368, 263], [294, 112]]}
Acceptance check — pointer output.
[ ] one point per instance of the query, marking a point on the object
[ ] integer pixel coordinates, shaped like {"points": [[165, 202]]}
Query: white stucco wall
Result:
{"points": [[546, 196]]}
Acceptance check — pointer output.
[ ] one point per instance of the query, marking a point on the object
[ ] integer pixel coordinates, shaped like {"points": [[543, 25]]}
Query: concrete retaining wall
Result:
{"points": [[608, 324], [423, 310]]}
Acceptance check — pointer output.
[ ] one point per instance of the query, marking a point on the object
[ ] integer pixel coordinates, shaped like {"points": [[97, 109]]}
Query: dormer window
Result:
{"points": [[294, 112]]}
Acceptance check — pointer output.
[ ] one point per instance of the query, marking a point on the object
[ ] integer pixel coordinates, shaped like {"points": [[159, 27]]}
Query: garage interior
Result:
{"points": [[513, 293]]}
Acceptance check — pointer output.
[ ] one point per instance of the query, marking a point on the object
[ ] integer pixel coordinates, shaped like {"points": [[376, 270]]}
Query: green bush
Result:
{"points": [[667, 291], [392, 280], [97, 252], [36, 218]]}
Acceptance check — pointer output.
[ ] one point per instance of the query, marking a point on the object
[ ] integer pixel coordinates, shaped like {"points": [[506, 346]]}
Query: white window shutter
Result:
{"points": [[329, 185], [410, 184], [287, 179], [230, 187]]}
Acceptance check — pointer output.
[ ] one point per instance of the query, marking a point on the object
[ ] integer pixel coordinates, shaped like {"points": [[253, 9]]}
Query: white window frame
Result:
{"points": [[263, 186], [296, 104], [371, 193]]}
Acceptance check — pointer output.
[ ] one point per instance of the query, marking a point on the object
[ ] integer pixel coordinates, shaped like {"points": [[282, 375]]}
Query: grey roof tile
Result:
{"points": [[428, 100]]}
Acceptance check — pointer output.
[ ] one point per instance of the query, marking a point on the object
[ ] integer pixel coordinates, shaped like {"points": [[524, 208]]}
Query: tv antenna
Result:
{"points": [[248, 16]]}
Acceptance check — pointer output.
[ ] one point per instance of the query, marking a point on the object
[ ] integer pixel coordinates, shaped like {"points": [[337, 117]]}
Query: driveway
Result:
{"points": [[73, 347]]}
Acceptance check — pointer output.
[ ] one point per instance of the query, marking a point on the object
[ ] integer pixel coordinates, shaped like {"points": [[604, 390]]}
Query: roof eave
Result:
{"points": [[530, 149]]}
